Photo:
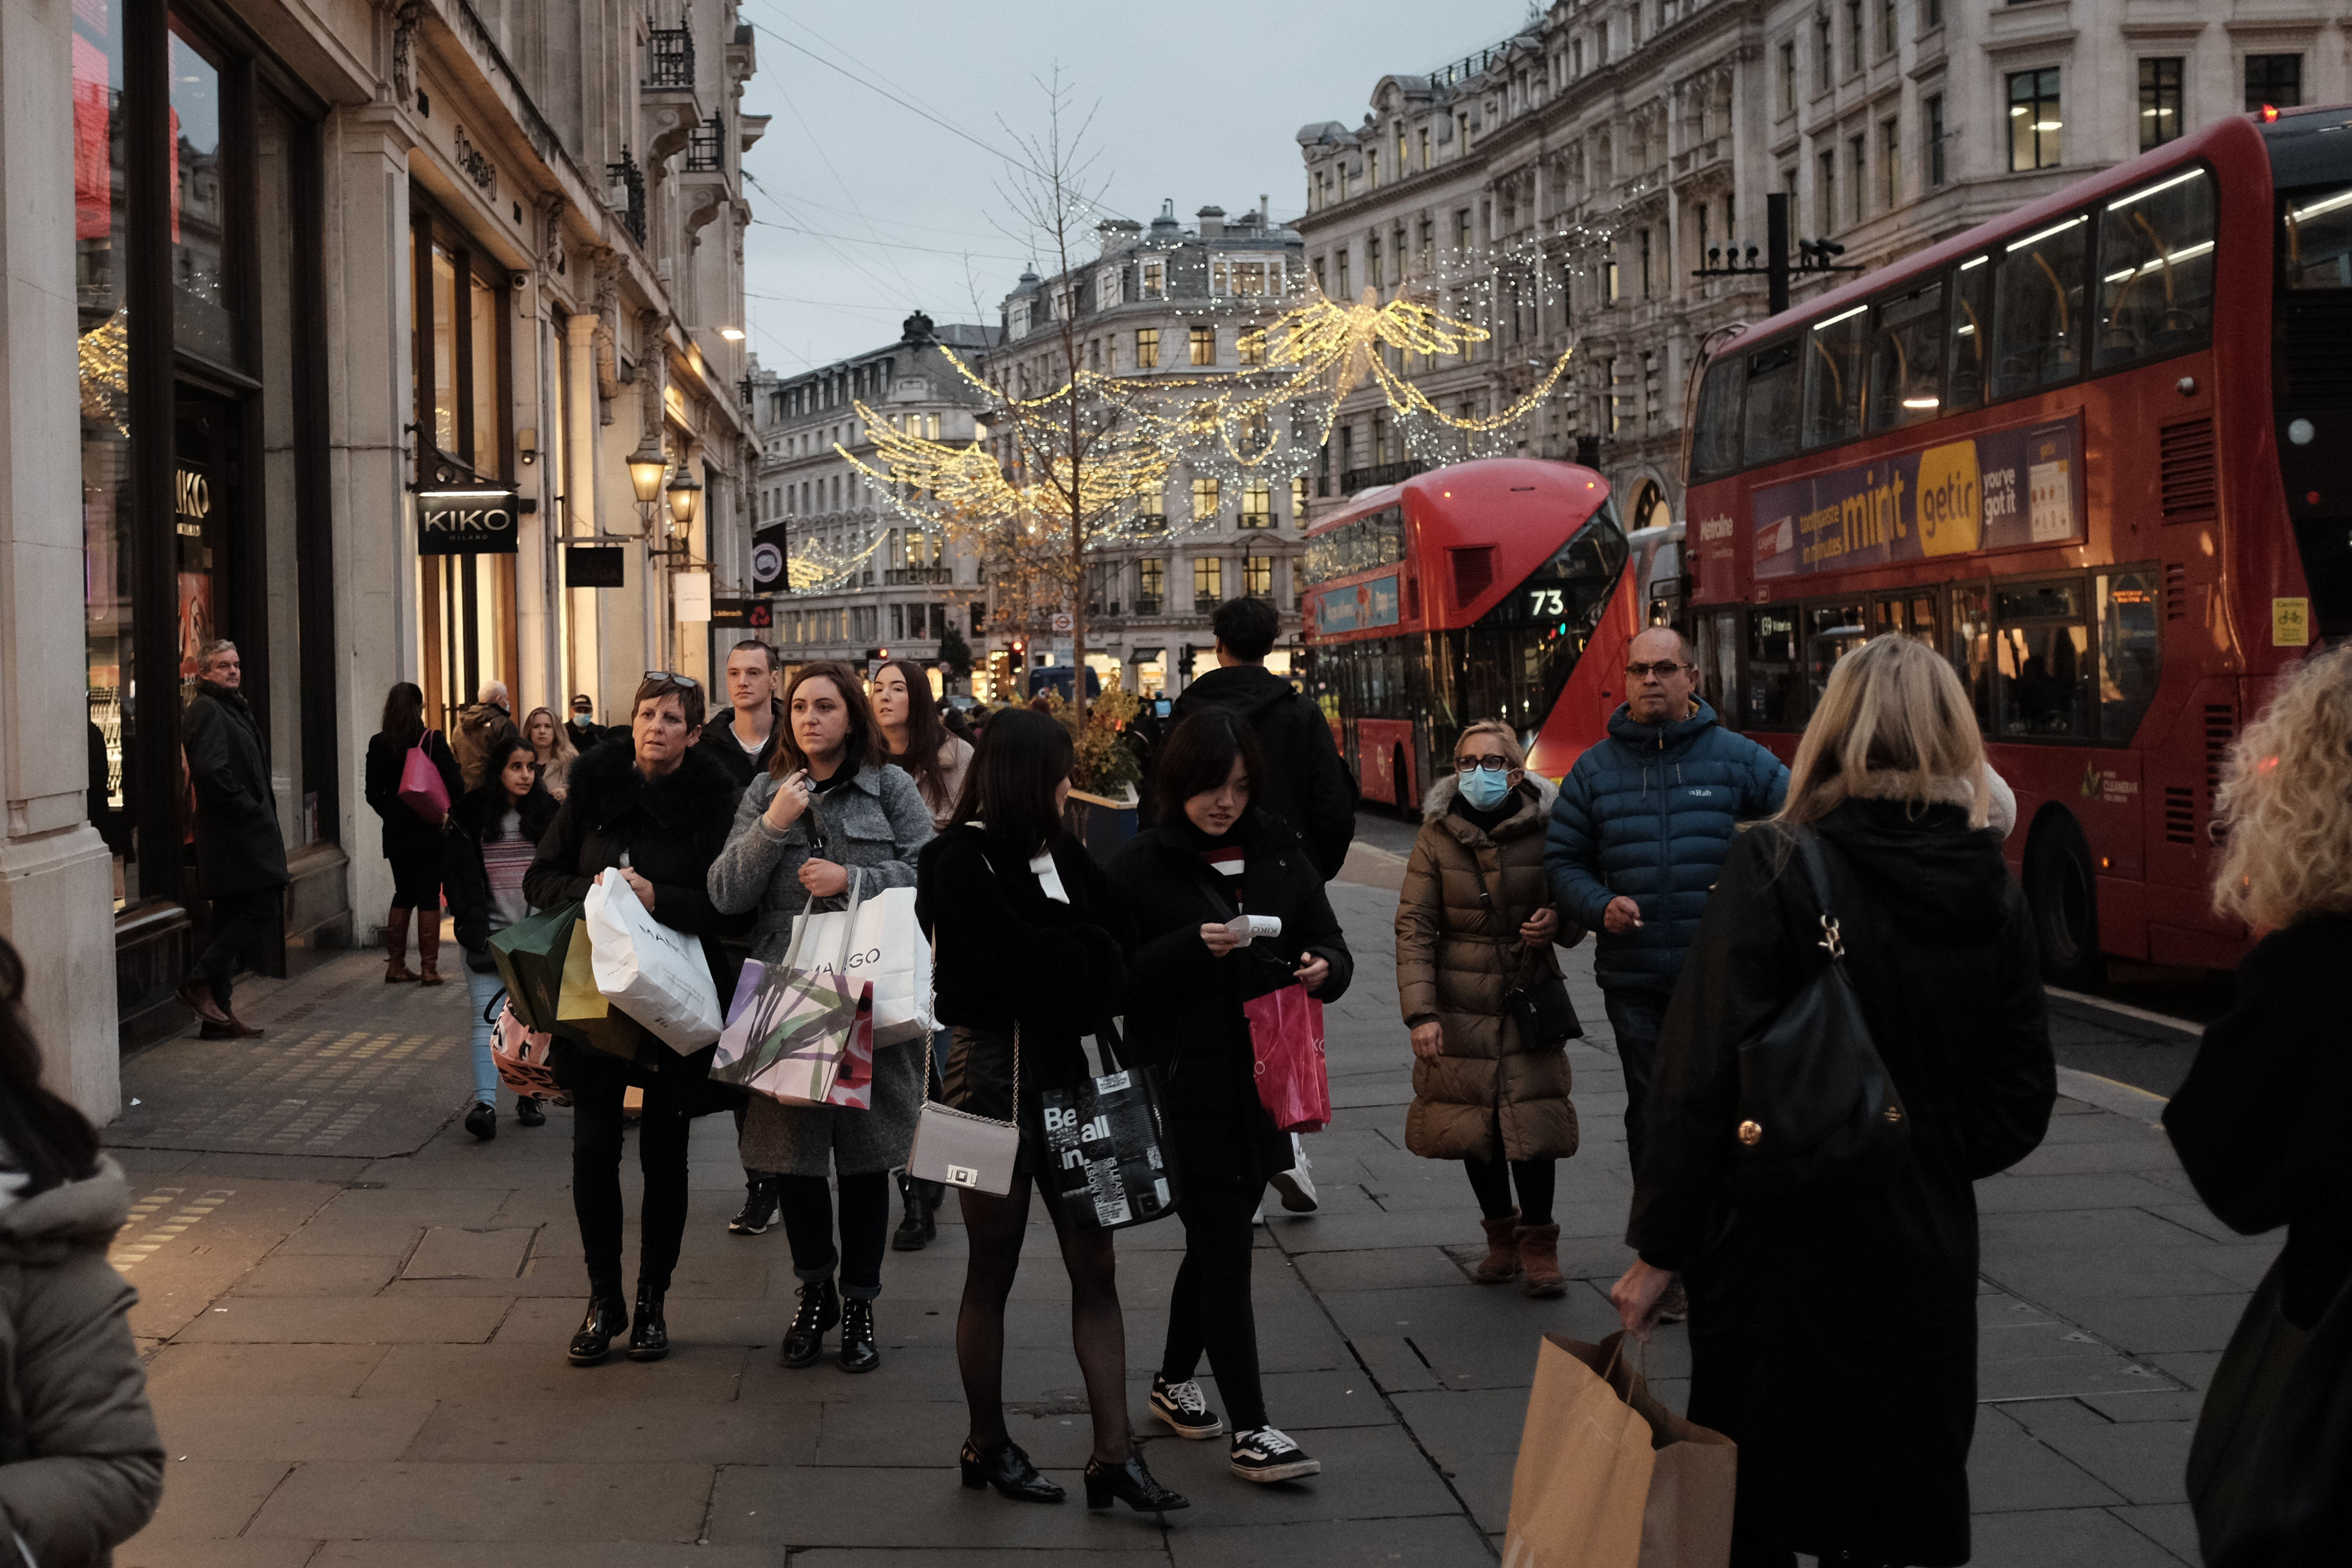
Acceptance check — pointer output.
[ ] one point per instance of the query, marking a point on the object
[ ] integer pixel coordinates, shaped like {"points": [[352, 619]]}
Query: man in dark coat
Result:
{"points": [[1641, 826], [480, 729], [1306, 785], [743, 741], [587, 733], [240, 852]]}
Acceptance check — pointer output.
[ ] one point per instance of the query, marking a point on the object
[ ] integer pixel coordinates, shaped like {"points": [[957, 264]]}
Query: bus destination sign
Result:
{"points": [[1993, 491]]}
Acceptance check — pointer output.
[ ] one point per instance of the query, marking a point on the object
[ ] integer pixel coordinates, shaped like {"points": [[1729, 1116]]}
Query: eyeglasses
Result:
{"points": [[673, 680], [1481, 764], [1663, 669]]}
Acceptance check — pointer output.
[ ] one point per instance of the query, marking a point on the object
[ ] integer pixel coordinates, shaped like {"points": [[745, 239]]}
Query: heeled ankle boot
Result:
{"points": [[859, 1351], [396, 948], [1007, 1468], [820, 1310], [1502, 1263], [918, 1227], [607, 1316], [649, 1336], [428, 947], [1131, 1484]]}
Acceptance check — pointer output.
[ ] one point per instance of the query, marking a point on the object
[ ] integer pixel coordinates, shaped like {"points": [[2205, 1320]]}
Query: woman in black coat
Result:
{"points": [[411, 844], [656, 813], [2259, 1123], [1836, 1344], [1031, 955], [1211, 857]]}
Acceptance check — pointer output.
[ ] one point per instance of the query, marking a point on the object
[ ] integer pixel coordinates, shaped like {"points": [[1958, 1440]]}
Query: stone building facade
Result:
{"points": [[1577, 175], [357, 309]]}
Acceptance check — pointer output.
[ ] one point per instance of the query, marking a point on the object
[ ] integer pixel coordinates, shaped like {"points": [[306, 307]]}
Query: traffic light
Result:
{"points": [[1184, 662]]}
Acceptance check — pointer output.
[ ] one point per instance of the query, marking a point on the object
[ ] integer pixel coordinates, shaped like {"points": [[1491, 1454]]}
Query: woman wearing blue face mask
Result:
{"points": [[1475, 923]]}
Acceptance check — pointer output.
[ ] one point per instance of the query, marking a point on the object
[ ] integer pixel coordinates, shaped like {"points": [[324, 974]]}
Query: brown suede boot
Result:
{"points": [[428, 947], [1502, 1263], [1538, 1248], [395, 947]]}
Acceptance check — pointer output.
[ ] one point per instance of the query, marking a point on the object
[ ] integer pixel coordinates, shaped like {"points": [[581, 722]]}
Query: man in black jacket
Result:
{"points": [[240, 852], [587, 733], [1306, 785], [744, 743]]}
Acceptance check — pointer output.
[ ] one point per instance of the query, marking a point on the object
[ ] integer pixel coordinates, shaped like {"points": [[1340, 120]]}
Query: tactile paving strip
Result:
{"points": [[139, 1239]]}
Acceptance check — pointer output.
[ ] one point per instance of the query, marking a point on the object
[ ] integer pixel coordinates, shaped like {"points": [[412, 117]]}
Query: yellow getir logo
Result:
{"points": [[1950, 499]]}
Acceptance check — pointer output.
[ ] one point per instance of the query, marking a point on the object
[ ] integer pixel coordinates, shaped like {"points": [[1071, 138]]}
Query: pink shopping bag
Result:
{"points": [[422, 788], [522, 1055], [1287, 1037]]}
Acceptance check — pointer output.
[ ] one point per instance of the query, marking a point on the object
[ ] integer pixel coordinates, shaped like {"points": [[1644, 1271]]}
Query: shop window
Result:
{"points": [[1970, 648], [2156, 270], [2042, 653], [1833, 372], [1906, 358], [2131, 637], [206, 225], [2037, 325], [1775, 678]]}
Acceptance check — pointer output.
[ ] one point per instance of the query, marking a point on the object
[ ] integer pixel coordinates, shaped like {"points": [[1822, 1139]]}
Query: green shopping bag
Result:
{"points": [[530, 955]]}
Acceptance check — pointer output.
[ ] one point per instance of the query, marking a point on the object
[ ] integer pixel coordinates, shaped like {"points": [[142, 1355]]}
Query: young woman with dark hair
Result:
{"points": [[411, 844], [80, 1464], [653, 813], [1211, 857], [1032, 957], [829, 809], [920, 743], [487, 847]]}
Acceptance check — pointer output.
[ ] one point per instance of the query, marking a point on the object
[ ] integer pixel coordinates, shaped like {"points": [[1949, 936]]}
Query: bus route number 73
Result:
{"points": [[1546, 603]]}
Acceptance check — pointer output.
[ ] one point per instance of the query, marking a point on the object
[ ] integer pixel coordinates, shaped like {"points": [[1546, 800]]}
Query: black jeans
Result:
{"points": [[662, 1133], [807, 1209], [1636, 1018], [1210, 1309], [417, 883], [1492, 1179], [237, 920]]}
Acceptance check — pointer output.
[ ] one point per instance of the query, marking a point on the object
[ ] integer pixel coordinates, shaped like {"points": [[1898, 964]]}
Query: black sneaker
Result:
{"points": [[1269, 1455], [759, 1207], [1180, 1405], [482, 1121]]}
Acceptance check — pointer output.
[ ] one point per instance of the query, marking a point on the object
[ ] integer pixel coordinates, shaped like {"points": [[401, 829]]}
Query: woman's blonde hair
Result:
{"points": [[1505, 737], [1894, 723], [564, 750], [2286, 801]]}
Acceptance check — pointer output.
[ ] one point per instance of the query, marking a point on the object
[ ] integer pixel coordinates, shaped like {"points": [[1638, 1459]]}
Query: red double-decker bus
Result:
{"points": [[1469, 592], [2095, 453]]}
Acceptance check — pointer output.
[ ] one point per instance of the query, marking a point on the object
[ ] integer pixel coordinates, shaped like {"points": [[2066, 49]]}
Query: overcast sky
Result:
{"points": [[1199, 102]]}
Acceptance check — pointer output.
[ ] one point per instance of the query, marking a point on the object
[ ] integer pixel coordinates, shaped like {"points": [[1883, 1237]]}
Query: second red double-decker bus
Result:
{"points": [[1469, 592], [2096, 453]]}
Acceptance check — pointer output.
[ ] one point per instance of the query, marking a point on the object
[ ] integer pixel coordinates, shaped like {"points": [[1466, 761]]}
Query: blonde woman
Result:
{"points": [[1857, 1311], [2258, 1124], [551, 748], [1482, 1093]]}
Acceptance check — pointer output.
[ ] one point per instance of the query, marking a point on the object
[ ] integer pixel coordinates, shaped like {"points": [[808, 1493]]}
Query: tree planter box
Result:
{"points": [[1102, 823]]}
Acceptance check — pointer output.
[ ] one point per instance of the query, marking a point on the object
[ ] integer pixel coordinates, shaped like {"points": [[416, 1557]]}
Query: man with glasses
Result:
{"points": [[1642, 825]]}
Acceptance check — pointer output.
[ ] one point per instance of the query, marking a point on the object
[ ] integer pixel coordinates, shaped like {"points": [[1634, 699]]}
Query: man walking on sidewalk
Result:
{"points": [[1642, 825], [481, 728], [240, 852]]}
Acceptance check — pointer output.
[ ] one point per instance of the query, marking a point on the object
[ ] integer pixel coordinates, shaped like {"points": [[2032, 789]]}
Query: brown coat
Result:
{"points": [[1449, 968]]}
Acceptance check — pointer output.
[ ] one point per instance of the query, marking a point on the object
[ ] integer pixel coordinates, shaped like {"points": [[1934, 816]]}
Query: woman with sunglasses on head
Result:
{"points": [[1474, 923], [1032, 958], [654, 814], [1215, 855], [829, 813]]}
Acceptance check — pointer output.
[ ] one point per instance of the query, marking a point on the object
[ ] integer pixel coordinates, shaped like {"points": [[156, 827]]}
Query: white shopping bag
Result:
{"points": [[654, 974], [886, 947]]}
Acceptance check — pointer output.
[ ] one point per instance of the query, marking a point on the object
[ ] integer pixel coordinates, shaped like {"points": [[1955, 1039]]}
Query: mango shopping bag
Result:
{"points": [[798, 1029]]}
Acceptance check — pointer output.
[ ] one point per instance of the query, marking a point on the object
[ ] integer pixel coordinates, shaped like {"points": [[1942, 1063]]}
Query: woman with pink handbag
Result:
{"points": [[412, 840]]}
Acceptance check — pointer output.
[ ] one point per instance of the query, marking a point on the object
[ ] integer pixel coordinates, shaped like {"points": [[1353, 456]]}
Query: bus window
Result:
{"points": [[1718, 660], [2130, 632], [1834, 354], [2318, 236], [1715, 437], [1775, 679], [1769, 419], [1971, 646], [2156, 270], [2037, 308], [1912, 614], [1971, 335], [1831, 631], [1907, 359], [2042, 656]]}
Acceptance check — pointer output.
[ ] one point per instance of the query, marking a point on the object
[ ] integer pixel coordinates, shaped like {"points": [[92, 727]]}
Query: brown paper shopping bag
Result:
{"points": [[1609, 1477], [581, 1009]]}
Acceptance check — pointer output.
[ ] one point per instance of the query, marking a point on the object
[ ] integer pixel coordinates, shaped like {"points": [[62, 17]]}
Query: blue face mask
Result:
{"points": [[1485, 790]]}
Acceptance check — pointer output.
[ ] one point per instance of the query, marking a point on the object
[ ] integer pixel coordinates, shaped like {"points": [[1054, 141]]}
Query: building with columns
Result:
{"points": [[364, 305], [1577, 175]]}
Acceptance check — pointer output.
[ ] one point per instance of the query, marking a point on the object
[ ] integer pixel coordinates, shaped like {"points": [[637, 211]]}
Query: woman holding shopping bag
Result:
{"points": [[1032, 957], [411, 844], [487, 847], [655, 815], [1211, 857], [1475, 923], [830, 808]]}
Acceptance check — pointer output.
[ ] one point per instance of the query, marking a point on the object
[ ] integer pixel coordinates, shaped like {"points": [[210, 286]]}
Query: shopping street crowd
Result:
{"points": [[1823, 981]]}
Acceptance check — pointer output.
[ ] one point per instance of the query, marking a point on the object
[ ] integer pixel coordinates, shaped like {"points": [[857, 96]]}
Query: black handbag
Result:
{"points": [[1818, 1116], [2294, 1509], [1106, 1150], [1545, 1015]]}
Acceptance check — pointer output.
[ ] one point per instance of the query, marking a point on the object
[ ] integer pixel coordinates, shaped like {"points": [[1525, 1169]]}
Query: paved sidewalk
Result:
{"points": [[356, 1318]]}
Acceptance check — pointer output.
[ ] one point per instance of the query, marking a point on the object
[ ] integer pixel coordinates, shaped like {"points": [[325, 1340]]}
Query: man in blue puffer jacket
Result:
{"points": [[1642, 825]]}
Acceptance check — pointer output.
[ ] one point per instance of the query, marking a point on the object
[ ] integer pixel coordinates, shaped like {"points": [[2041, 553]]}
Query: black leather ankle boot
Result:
{"points": [[649, 1337], [607, 1316], [857, 1349], [820, 1310]]}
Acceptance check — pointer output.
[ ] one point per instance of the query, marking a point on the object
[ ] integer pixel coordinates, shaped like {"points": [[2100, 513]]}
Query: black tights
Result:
{"points": [[596, 1186], [1210, 1309], [1493, 1184], [993, 1227], [864, 1228]]}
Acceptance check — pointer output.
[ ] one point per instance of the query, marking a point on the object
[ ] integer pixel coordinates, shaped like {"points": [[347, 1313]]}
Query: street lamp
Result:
{"points": [[685, 498], [647, 465]]}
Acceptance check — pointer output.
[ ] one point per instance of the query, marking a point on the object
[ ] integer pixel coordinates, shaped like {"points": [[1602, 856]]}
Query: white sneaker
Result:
{"points": [[1269, 1455], [1296, 1184]]}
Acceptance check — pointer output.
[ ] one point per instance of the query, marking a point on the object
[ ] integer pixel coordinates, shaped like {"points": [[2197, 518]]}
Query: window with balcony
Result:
{"points": [[1208, 583], [1257, 504]]}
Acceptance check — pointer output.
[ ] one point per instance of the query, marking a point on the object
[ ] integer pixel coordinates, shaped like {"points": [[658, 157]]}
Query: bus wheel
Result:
{"points": [[1400, 784], [2065, 902]]}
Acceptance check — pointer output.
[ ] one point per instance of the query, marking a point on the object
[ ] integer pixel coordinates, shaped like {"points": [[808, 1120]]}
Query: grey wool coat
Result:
{"points": [[874, 826]]}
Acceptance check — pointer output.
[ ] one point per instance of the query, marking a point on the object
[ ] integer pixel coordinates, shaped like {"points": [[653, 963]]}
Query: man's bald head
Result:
{"points": [[494, 692], [1661, 693]]}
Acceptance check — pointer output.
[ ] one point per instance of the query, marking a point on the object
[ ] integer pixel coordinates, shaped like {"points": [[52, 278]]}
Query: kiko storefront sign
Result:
{"points": [[472, 520]]}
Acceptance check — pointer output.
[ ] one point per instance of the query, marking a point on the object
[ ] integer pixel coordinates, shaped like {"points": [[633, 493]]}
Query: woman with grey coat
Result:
{"points": [[830, 811]]}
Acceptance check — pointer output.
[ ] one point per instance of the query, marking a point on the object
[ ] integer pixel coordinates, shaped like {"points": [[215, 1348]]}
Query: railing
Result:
{"points": [[1203, 603], [912, 576], [1147, 604], [629, 194], [706, 148], [669, 59], [1356, 480], [1467, 67]]}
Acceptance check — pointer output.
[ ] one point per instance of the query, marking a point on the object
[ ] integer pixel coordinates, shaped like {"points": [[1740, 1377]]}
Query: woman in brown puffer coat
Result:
{"points": [[1481, 1094]]}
